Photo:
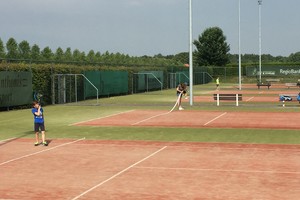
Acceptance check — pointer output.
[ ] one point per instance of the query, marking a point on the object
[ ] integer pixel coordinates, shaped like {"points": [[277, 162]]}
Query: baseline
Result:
{"points": [[38, 152], [5, 140]]}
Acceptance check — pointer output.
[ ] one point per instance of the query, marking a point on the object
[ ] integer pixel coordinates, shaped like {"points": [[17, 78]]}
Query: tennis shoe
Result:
{"points": [[36, 144], [181, 108], [45, 144]]}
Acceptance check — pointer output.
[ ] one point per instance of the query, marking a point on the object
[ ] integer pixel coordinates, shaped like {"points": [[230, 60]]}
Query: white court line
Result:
{"points": [[150, 118], [250, 99], [220, 170], [48, 149], [119, 173], [102, 117], [177, 102], [215, 118], [1, 141]]}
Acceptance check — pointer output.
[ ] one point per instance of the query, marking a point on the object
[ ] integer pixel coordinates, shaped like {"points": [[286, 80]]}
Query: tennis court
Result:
{"points": [[93, 169], [199, 119]]}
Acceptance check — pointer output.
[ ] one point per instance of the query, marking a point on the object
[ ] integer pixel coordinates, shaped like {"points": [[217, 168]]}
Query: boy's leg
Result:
{"points": [[43, 136], [36, 139]]}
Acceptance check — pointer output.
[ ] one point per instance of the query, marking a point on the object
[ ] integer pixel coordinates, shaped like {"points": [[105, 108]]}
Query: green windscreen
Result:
{"points": [[274, 71], [15, 88], [107, 83], [149, 80]]}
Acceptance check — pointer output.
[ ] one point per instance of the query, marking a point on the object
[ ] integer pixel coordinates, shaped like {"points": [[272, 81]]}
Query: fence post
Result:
{"points": [[218, 99], [237, 99]]}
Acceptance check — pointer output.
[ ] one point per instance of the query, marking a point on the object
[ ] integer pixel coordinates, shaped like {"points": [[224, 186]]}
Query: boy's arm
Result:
{"points": [[38, 113]]}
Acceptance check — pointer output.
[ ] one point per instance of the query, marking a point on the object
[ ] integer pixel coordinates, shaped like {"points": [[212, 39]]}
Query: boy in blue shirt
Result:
{"points": [[37, 112]]}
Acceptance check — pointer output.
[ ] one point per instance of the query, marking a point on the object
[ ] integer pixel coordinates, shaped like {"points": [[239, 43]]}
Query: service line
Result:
{"points": [[112, 115], [136, 123], [215, 118], [220, 170], [119, 173], [249, 99]]}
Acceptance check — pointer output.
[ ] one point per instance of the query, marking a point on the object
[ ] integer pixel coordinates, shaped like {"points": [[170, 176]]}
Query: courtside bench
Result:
{"points": [[288, 85], [268, 84], [228, 97]]}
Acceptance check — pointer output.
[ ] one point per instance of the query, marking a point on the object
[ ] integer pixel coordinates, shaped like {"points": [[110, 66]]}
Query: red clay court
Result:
{"points": [[88, 169], [199, 119]]}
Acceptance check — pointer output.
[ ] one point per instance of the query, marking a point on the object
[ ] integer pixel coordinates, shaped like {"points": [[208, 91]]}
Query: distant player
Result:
{"points": [[217, 83], [39, 125], [180, 91]]}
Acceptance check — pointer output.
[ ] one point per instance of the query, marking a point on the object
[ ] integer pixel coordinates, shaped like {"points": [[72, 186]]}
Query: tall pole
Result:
{"points": [[240, 61], [191, 53], [259, 36]]}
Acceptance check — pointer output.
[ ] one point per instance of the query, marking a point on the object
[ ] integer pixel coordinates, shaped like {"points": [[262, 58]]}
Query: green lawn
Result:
{"points": [[19, 123]]}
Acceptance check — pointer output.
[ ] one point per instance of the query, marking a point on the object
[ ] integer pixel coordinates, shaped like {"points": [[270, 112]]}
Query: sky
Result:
{"points": [[150, 27]]}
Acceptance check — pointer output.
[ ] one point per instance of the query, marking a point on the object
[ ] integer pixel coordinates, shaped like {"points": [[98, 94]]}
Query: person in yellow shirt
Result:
{"points": [[217, 83]]}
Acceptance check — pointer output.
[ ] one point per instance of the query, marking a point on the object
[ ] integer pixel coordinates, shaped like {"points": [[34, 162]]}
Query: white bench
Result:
{"points": [[291, 85]]}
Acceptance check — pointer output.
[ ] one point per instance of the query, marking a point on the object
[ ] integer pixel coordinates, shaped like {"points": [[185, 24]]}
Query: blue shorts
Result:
{"points": [[39, 127]]}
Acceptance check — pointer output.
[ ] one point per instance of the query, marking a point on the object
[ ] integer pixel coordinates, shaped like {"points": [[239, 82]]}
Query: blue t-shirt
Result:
{"points": [[38, 119]]}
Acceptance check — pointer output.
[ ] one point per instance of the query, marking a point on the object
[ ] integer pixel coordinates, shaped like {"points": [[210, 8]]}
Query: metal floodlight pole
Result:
{"points": [[259, 36], [240, 62], [191, 52]]}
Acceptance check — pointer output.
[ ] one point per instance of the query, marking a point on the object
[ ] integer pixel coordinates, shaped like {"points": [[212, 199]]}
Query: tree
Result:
{"points": [[82, 57], [68, 55], [182, 57], [12, 49], [24, 50], [294, 57], [76, 55], [2, 49], [59, 55], [98, 56], [212, 48], [47, 54], [35, 53], [91, 56]]}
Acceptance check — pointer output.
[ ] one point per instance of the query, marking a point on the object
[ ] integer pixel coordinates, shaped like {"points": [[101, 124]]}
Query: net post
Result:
{"points": [[76, 98], [53, 89], [237, 99]]}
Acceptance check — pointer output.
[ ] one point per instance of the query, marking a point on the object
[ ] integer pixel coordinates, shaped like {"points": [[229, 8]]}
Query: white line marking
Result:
{"points": [[101, 117], [177, 102], [221, 170], [28, 155], [150, 118], [215, 118], [2, 141], [250, 99], [119, 173]]}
